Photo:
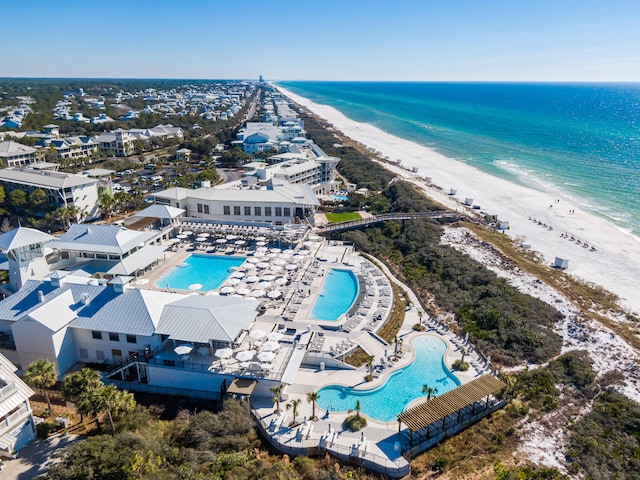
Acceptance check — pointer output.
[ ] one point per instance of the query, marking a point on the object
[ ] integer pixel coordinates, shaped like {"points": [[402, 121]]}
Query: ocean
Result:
{"points": [[579, 141]]}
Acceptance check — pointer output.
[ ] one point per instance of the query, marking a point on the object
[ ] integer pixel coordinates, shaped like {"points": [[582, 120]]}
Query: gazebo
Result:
{"points": [[164, 213]]}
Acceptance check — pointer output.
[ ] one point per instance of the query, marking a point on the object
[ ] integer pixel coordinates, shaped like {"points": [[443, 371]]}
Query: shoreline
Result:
{"points": [[550, 223]]}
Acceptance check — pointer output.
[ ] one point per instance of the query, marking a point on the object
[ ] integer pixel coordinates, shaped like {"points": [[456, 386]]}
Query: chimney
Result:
{"points": [[84, 298], [40, 296]]}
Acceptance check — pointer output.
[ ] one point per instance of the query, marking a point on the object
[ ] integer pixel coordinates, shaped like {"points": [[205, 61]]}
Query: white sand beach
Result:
{"points": [[615, 262]]}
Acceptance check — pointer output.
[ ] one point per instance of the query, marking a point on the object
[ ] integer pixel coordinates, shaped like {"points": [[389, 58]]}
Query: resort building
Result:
{"points": [[14, 154], [118, 143], [62, 189], [279, 204], [73, 147], [17, 427], [24, 252]]}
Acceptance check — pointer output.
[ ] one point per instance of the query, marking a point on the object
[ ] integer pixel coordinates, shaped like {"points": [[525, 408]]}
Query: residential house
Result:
{"points": [[14, 154]]}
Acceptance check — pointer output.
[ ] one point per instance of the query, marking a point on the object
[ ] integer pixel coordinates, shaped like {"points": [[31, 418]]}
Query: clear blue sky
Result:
{"points": [[509, 40]]}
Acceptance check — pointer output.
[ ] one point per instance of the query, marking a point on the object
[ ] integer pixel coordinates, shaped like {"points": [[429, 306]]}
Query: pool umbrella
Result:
{"points": [[266, 356], [221, 240], [204, 234], [252, 279], [261, 238], [264, 284], [239, 242], [261, 244], [201, 239], [257, 334], [274, 336], [182, 236], [303, 252], [233, 281], [187, 232], [227, 290], [243, 291], [262, 265], [254, 259], [195, 286], [257, 293], [291, 266], [308, 244], [270, 346], [184, 349], [262, 249], [231, 237], [244, 355], [268, 278], [288, 251], [280, 281], [284, 256], [274, 294], [223, 353], [238, 274], [279, 262], [275, 268], [272, 255]]}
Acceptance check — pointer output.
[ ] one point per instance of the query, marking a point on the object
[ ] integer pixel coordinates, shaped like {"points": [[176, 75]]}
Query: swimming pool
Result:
{"points": [[210, 271], [403, 386], [339, 290], [339, 198]]}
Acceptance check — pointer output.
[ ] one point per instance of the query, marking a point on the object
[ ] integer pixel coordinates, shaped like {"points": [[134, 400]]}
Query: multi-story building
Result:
{"points": [[14, 154]]}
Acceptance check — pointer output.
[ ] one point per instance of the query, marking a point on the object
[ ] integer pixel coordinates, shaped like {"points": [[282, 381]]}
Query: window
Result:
{"points": [[236, 210], [96, 335], [84, 353], [226, 210], [100, 355], [278, 211], [199, 208], [247, 211], [116, 352], [287, 212], [206, 208], [267, 211], [131, 339], [257, 211], [114, 337]]}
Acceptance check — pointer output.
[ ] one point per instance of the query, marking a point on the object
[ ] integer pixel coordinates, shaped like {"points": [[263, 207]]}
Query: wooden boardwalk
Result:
{"points": [[374, 219]]}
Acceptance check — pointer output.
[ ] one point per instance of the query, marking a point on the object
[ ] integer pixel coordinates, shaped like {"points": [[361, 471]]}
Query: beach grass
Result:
{"points": [[342, 217]]}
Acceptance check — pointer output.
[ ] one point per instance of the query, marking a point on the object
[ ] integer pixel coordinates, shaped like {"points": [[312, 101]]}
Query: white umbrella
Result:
{"points": [[243, 291], [288, 251], [184, 349], [279, 262], [245, 355], [291, 266], [264, 284], [205, 234], [262, 265], [308, 244], [275, 268], [182, 236], [223, 353], [261, 239], [238, 274], [275, 250], [195, 286], [261, 244], [303, 252], [266, 356], [284, 256], [227, 290], [201, 239], [268, 278], [274, 336], [233, 281], [257, 334], [254, 259], [272, 255], [274, 294], [252, 279], [231, 237], [262, 249], [221, 240], [270, 346], [239, 242], [257, 293], [187, 232], [280, 281]]}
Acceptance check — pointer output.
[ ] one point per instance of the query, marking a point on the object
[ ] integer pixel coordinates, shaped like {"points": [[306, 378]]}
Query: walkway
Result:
{"points": [[372, 220]]}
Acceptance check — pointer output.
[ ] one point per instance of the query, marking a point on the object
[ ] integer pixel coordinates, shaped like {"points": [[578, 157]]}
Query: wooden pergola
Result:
{"points": [[454, 401]]}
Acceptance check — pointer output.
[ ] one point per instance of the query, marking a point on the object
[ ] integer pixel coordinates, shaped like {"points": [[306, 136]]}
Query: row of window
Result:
{"points": [[113, 336], [115, 353], [257, 211]]}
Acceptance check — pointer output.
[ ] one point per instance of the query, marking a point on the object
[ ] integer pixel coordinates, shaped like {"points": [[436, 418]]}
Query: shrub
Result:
{"points": [[355, 422], [460, 365]]}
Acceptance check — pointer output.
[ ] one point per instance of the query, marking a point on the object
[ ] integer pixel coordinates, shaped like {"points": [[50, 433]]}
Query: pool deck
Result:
{"points": [[326, 344]]}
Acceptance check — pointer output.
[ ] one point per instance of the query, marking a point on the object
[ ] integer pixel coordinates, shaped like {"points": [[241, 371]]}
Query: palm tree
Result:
{"points": [[277, 391], [114, 401], [397, 346], [79, 382], [429, 390], [312, 398], [463, 351], [370, 359], [358, 408], [41, 374], [293, 405]]}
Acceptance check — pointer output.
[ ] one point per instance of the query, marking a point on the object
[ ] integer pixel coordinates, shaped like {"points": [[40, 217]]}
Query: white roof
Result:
{"points": [[175, 193], [282, 191], [55, 313], [160, 211], [7, 376], [11, 148], [200, 318], [100, 238], [97, 172], [22, 237], [138, 260], [44, 178]]}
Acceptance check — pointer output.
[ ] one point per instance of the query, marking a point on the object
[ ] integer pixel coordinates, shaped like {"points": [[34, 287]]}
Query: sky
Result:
{"points": [[410, 40]]}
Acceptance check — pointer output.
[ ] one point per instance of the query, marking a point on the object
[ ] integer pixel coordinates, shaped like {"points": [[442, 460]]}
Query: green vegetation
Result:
{"points": [[343, 217], [355, 422], [41, 374]]}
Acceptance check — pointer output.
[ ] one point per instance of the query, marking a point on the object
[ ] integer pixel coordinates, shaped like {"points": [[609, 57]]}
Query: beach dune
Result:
{"points": [[551, 224]]}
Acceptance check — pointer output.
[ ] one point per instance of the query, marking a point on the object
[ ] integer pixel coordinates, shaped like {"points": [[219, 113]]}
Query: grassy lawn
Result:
{"points": [[343, 217]]}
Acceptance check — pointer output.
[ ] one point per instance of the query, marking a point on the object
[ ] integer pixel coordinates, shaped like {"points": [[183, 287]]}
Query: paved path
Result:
{"points": [[36, 458]]}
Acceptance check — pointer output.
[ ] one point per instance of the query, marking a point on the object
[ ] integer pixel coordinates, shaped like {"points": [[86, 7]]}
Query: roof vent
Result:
{"points": [[84, 298], [40, 296]]}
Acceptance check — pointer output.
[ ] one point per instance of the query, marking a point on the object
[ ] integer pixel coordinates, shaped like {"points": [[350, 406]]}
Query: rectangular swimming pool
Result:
{"points": [[208, 271], [339, 290]]}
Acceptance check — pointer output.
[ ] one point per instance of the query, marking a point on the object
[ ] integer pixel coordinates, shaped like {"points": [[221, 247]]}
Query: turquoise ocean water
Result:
{"points": [[579, 140]]}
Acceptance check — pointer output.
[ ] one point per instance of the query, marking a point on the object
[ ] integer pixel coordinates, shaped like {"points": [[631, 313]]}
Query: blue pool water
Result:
{"points": [[340, 198], [338, 292], [403, 386], [208, 270]]}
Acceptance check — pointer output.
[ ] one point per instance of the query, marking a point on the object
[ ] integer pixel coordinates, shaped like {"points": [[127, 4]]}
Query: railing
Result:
{"points": [[15, 419], [7, 390], [385, 217], [312, 447], [171, 391]]}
